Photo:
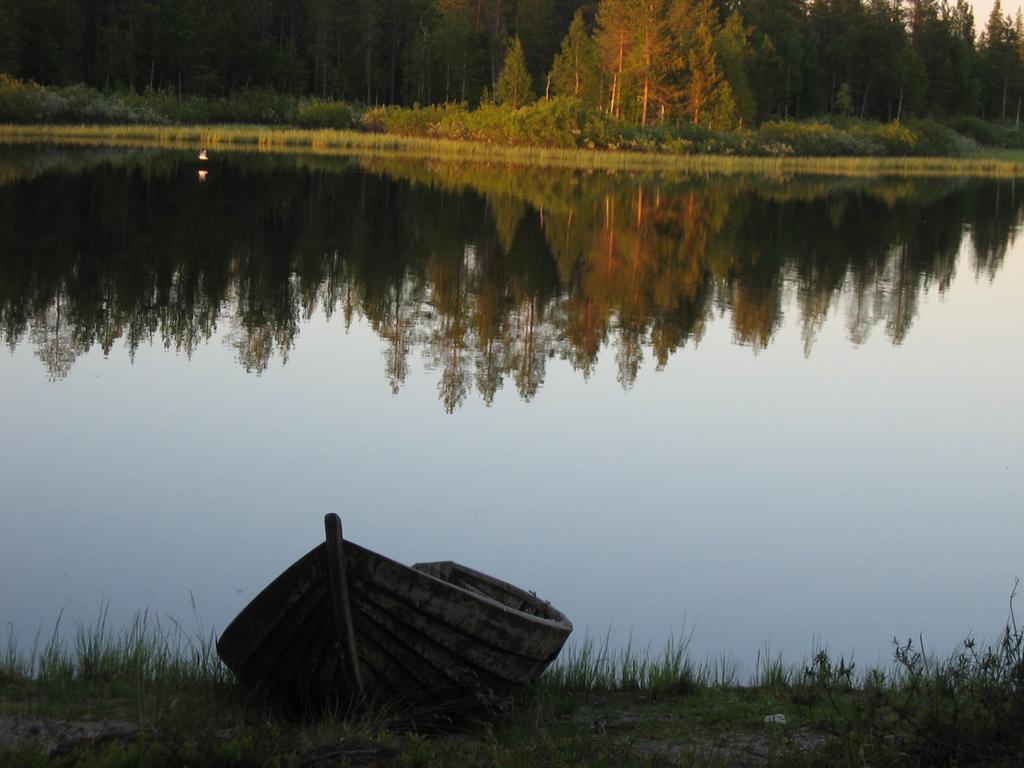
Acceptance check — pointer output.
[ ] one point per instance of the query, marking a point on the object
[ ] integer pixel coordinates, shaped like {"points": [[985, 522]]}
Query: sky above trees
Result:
{"points": [[982, 8]]}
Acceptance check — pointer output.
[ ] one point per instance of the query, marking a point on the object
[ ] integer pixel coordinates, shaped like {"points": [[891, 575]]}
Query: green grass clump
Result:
{"points": [[592, 666], [133, 670], [771, 673], [965, 709]]}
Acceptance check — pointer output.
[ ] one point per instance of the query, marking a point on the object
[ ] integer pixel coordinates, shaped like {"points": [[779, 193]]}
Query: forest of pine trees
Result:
{"points": [[721, 63]]}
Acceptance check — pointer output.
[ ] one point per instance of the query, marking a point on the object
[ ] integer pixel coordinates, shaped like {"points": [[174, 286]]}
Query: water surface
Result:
{"points": [[770, 410]]}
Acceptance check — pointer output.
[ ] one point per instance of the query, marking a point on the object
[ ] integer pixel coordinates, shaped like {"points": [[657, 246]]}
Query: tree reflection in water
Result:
{"points": [[487, 272]]}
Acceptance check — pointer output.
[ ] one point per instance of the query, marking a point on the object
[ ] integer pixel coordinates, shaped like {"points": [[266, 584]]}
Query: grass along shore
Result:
{"points": [[151, 695], [560, 132], [979, 161]]}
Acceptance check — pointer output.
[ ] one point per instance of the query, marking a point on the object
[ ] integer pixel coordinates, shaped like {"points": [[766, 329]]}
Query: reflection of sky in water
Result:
{"points": [[853, 495]]}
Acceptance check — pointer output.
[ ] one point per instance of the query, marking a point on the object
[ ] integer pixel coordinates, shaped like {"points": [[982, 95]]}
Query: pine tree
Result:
{"points": [[722, 112], [576, 70], [10, 27], [320, 21], [735, 56], [514, 87], [694, 24], [459, 51], [844, 100], [912, 80], [882, 39], [615, 40], [781, 38], [965, 96], [650, 60], [536, 24], [1001, 62]]}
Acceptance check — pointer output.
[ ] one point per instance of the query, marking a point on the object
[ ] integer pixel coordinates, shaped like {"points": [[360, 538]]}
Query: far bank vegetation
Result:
{"points": [[828, 77]]}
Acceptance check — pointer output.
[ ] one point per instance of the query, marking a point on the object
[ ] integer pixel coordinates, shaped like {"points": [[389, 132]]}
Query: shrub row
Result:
{"points": [[1006, 135], [559, 122], [26, 102], [29, 103], [566, 123]]}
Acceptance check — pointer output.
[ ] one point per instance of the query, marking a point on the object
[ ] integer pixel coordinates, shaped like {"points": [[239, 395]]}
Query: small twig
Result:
{"points": [[1013, 595]]}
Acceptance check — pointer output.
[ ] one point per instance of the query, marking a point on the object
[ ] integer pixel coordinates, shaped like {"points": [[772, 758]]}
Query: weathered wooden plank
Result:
{"points": [[305, 656], [507, 594], [340, 606], [448, 664], [275, 645], [290, 664], [502, 664], [478, 615], [270, 608]]}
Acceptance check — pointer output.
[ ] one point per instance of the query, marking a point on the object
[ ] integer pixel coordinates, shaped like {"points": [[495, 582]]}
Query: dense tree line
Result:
{"points": [[717, 62]]}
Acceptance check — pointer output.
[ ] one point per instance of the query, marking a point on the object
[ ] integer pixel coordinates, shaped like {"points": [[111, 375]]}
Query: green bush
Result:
{"points": [[886, 139], [557, 123], [256, 105], [489, 122], [967, 709], [172, 108], [935, 139], [21, 102], [602, 131], [988, 133], [560, 122], [850, 137], [810, 139], [415, 121], [327, 114], [260, 106], [26, 102]]}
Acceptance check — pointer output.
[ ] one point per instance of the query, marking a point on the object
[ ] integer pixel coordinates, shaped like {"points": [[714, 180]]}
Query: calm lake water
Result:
{"points": [[765, 410]]}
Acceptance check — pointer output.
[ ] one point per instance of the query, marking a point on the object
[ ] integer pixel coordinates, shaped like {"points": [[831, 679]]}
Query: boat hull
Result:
{"points": [[436, 636]]}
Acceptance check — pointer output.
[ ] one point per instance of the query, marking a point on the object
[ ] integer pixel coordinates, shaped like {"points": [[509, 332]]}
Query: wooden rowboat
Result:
{"points": [[344, 625]]}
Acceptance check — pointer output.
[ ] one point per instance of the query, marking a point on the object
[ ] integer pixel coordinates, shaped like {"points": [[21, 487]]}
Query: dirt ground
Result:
{"points": [[62, 736], [743, 749]]}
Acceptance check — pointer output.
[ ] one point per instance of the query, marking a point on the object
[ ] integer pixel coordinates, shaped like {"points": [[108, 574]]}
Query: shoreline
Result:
{"points": [[987, 163], [144, 696], [624, 731]]}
